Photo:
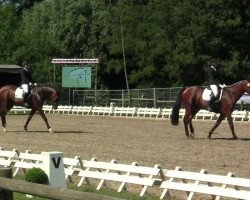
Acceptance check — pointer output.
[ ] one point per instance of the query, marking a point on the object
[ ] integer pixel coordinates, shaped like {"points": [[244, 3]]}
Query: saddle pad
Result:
{"points": [[19, 93], [206, 95]]}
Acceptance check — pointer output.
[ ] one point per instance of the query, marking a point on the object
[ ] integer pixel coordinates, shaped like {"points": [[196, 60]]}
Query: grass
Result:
{"points": [[92, 189]]}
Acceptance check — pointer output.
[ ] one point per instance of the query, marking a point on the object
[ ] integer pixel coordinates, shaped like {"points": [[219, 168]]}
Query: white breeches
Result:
{"points": [[214, 89], [25, 88]]}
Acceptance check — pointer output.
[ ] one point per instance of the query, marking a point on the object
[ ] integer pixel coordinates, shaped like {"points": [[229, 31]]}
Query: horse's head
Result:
{"points": [[48, 93]]}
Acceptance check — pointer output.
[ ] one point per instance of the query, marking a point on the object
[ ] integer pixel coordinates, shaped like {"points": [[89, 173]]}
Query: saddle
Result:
{"points": [[208, 94], [19, 93]]}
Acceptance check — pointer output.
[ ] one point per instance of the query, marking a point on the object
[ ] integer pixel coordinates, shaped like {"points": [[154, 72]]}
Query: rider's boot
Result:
{"points": [[25, 100], [210, 103]]}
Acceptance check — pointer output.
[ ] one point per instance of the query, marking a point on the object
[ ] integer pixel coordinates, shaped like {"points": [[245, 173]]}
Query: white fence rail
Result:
{"points": [[130, 112], [165, 180]]}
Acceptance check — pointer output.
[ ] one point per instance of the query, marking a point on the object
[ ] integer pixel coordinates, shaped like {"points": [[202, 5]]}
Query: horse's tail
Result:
{"points": [[176, 108]]}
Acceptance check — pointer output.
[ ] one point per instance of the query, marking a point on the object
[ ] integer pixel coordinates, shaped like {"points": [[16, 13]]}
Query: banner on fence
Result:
{"points": [[76, 77]]}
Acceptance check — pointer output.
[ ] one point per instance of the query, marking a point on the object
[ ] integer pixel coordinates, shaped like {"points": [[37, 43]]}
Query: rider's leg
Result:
{"points": [[214, 97], [25, 94]]}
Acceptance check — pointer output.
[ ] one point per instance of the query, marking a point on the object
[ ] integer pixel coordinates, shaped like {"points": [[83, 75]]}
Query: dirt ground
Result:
{"points": [[148, 141]]}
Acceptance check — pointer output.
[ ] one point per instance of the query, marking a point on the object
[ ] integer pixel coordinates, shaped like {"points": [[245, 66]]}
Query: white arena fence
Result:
{"points": [[122, 176], [157, 113]]}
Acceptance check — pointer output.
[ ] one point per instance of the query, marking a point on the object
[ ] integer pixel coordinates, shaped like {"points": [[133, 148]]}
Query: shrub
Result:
{"points": [[36, 175]]}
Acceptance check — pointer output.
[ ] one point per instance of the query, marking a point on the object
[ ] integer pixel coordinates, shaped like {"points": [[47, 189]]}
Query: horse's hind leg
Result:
{"points": [[186, 127], [219, 120], [191, 124], [191, 129], [3, 118], [188, 123]]}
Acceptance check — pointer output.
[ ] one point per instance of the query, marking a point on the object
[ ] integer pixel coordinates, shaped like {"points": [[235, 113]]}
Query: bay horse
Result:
{"points": [[8, 100], [45, 93], [191, 99]]}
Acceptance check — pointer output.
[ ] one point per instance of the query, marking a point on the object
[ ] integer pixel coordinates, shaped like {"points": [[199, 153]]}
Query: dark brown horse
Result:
{"points": [[8, 100], [45, 93], [191, 99]]}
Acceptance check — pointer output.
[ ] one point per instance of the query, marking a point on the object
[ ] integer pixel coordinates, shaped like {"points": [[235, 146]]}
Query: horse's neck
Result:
{"points": [[237, 90], [44, 93]]}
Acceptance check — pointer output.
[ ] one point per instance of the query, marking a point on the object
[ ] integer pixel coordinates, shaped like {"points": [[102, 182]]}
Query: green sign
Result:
{"points": [[76, 76]]}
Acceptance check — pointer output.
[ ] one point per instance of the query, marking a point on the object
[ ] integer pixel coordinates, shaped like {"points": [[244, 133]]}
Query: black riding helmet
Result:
{"points": [[215, 65], [24, 63]]}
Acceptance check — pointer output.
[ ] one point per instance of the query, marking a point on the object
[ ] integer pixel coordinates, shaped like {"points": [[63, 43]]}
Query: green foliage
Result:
{"points": [[165, 42], [36, 175]]}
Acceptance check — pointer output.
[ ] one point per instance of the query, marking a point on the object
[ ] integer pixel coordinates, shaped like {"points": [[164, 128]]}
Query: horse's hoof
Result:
{"points": [[51, 130], [191, 136], [4, 130], [209, 137], [235, 138]]}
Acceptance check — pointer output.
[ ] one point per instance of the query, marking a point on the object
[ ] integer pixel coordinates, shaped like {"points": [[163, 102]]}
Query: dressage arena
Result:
{"points": [[129, 139]]}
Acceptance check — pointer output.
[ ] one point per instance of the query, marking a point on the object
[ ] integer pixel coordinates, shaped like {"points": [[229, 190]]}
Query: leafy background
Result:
{"points": [[166, 42]]}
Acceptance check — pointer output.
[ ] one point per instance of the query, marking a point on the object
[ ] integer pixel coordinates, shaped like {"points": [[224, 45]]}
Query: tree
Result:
{"points": [[7, 33]]}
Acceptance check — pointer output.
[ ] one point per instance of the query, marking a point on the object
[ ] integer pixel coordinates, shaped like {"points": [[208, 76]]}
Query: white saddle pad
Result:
{"points": [[19, 93], [206, 95]]}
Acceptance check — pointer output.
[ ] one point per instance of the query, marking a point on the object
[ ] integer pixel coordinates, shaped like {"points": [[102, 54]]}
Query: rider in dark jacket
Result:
{"points": [[214, 83], [26, 80]]}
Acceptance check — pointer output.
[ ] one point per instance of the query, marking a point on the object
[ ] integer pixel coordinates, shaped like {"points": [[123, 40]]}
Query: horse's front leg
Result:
{"points": [[32, 112], [218, 121], [231, 125], [40, 111]]}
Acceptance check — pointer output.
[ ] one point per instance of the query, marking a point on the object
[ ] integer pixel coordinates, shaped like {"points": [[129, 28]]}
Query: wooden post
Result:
{"points": [[6, 194], [49, 192]]}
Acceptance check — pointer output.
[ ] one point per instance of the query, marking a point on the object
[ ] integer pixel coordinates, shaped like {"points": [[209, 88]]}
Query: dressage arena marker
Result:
{"points": [[53, 166], [50, 162]]}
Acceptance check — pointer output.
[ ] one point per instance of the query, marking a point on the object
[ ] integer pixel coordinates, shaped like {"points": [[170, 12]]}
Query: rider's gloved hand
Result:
{"points": [[222, 86]]}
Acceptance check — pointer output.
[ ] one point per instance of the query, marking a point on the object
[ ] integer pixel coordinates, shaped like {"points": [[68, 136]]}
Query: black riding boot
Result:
{"points": [[211, 102], [25, 99]]}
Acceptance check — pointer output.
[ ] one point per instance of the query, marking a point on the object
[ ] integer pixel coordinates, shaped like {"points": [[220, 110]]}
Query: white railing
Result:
{"points": [[130, 112], [166, 180]]}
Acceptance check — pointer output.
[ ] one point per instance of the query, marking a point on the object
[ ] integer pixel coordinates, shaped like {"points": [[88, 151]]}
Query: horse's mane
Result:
{"points": [[45, 88], [229, 86]]}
